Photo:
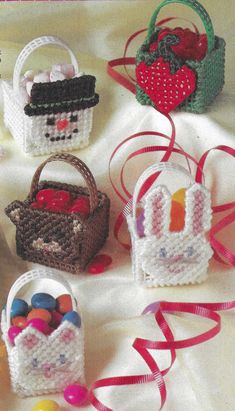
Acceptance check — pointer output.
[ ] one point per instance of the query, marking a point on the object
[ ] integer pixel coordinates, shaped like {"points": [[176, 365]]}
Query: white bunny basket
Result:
{"points": [[57, 116], [161, 257], [33, 352]]}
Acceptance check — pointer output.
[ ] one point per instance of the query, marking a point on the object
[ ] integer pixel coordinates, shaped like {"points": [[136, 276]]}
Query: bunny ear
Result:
{"points": [[198, 209], [157, 211]]}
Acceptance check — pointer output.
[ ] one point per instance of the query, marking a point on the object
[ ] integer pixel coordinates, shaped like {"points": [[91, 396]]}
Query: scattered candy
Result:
{"points": [[43, 300], [104, 259], [47, 405], [76, 394], [64, 303], [19, 307], [45, 315], [96, 268], [40, 325], [19, 321], [73, 317], [13, 332]]}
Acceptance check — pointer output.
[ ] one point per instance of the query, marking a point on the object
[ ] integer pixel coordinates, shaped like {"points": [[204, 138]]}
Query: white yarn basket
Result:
{"points": [[164, 258], [29, 131], [35, 359]]}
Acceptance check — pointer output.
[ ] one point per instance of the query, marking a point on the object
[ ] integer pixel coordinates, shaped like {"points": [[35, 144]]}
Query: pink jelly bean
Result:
{"points": [[13, 332], [40, 325], [75, 394]]}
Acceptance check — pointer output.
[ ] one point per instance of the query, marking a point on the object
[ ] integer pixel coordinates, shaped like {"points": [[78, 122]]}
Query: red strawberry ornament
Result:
{"points": [[166, 90]]}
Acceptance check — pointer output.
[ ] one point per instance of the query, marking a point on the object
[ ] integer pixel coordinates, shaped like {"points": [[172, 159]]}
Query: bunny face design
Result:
{"points": [[50, 362], [170, 258]]}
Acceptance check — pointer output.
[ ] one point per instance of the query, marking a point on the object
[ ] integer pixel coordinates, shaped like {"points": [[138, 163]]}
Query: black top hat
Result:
{"points": [[62, 96]]}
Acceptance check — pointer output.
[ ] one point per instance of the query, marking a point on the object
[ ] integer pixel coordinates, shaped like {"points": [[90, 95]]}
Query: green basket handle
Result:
{"points": [[198, 8]]}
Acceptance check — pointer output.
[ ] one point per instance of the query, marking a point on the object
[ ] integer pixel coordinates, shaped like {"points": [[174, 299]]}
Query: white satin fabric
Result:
{"points": [[202, 378]]}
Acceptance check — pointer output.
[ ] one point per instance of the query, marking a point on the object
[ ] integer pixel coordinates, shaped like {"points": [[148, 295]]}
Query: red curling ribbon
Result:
{"points": [[142, 346]]}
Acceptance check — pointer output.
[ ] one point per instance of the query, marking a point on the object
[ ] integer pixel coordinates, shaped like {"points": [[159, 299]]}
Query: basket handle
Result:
{"points": [[31, 276], [79, 166], [164, 166], [32, 46], [198, 8]]}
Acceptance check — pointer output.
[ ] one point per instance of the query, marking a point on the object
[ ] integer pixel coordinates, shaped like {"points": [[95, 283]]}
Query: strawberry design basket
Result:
{"points": [[42, 364], [179, 68], [57, 116], [63, 238], [161, 257]]}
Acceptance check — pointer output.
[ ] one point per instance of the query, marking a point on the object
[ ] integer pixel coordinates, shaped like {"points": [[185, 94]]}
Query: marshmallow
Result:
{"points": [[66, 69], [29, 75], [56, 75], [43, 77], [29, 86]]}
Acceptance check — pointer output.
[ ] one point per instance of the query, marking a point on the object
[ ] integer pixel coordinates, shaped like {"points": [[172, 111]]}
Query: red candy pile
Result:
{"points": [[192, 46], [61, 201], [99, 264]]}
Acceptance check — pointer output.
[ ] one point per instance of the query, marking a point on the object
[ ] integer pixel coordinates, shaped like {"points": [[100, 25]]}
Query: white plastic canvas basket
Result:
{"points": [[161, 257], [70, 102], [34, 348]]}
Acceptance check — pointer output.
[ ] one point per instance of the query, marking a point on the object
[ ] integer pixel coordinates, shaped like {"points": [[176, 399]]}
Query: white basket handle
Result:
{"points": [[31, 276], [164, 166], [32, 46]]}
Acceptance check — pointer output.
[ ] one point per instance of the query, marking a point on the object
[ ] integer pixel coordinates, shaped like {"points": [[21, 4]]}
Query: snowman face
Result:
{"points": [[53, 132], [62, 126]]}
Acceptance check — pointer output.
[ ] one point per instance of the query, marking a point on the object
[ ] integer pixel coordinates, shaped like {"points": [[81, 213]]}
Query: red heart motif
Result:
{"points": [[166, 90]]}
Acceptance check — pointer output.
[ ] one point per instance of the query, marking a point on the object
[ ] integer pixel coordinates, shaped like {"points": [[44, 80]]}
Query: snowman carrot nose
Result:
{"points": [[62, 124]]}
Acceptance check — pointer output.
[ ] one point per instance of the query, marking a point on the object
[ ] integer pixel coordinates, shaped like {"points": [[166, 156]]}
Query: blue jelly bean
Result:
{"points": [[43, 300], [19, 307], [73, 317]]}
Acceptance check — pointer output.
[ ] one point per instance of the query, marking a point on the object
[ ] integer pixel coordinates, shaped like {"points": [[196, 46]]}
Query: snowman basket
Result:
{"points": [[57, 116], [61, 238], [175, 71], [43, 362], [161, 257]]}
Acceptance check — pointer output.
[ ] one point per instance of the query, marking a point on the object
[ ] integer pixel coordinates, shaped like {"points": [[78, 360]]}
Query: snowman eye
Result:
{"points": [[62, 359], [35, 363], [162, 253], [50, 121], [73, 118], [190, 251]]}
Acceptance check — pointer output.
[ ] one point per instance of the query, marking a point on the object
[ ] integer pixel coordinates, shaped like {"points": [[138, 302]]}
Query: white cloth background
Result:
{"points": [[202, 378]]}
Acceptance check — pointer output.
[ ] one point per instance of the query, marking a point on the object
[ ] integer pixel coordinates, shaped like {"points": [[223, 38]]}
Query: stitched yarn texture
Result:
{"points": [[41, 364], [39, 126], [61, 240], [209, 71], [161, 257]]}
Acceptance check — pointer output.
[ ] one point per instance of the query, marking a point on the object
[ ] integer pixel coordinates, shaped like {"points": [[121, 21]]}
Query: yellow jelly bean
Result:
{"points": [[179, 196], [46, 405]]}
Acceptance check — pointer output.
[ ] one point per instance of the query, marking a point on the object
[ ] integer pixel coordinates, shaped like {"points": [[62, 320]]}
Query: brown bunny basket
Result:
{"points": [[61, 240]]}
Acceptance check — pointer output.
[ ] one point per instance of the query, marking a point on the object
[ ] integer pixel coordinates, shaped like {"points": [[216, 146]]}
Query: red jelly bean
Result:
{"points": [[81, 205], [95, 268], [104, 259], [19, 321], [64, 303], [45, 195], [56, 319], [63, 196]]}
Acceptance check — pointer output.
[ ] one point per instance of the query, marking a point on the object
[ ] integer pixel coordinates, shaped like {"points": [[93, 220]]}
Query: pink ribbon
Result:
{"points": [[142, 346]]}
